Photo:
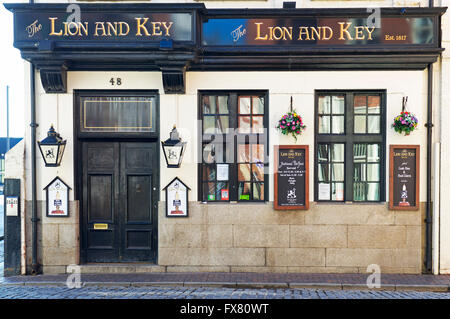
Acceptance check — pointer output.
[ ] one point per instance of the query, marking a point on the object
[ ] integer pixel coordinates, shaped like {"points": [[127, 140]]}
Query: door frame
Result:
{"points": [[79, 138]]}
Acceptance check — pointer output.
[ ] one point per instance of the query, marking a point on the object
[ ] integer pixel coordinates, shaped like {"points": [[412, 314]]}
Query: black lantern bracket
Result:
{"points": [[52, 148], [173, 149]]}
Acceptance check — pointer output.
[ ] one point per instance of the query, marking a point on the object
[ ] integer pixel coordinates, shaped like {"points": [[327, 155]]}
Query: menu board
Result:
{"points": [[404, 177], [291, 177]]}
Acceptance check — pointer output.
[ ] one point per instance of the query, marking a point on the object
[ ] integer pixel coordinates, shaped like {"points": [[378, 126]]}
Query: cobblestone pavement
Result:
{"points": [[161, 292]]}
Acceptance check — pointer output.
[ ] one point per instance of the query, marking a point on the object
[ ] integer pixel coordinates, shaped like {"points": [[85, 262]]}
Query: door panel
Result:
{"points": [[139, 196], [100, 190], [136, 169], [119, 190]]}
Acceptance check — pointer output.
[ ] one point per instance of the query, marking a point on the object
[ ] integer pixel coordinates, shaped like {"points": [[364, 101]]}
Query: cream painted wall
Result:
{"points": [[181, 110], [444, 115]]}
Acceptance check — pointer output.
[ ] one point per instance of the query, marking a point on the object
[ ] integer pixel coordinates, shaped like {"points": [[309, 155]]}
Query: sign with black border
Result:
{"points": [[177, 199], [404, 168], [57, 196], [291, 177]]}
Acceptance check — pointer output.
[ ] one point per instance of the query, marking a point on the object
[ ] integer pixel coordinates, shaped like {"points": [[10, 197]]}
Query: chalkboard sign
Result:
{"points": [[291, 177], [404, 177]]}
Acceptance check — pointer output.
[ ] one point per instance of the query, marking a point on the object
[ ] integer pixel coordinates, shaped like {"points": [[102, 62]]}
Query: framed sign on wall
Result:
{"points": [[404, 171], [177, 201], [291, 177], [57, 198]]}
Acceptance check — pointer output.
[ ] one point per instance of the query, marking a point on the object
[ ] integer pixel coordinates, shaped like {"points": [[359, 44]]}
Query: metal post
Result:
{"points": [[8, 142]]}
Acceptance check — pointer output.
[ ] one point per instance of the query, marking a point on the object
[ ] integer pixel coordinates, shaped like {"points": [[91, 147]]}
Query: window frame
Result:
{"points": [[349, 138], [233, 111]]}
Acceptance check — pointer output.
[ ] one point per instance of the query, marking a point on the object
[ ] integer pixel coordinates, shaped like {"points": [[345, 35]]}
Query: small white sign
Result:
{"points": [[324, 191], [57, 199], [12, 206], [176, 199], [222, 172]]}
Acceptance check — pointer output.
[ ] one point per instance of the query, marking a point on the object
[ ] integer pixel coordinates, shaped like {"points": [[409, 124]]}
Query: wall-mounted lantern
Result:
{"points": [[173, 149], [52, 148]]}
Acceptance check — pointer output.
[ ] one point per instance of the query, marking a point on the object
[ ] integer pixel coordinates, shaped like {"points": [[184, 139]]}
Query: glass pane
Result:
{"points": [[209, 191], [244, 172], [222, 191], [324, 172], [338, 125], [359, 191], [243, 153], [324, 124], [360, 104], [337, 154], [258, 191], [209, 172], [373, 191], [209, 153], [258, 172], [223, 104], [258, 105], [373, 122], [208, 124], [360, 124], [324, 104], [337, 191], [359, 152], [244, 191], [359, 174], [222, 124], [244, 124], [209, 104], [373, 172], [323, 153], [244, 105], [338, 105], [373, 105], [257, 153], [117, 114], [373, 153], [338, 172], [257, 124]]}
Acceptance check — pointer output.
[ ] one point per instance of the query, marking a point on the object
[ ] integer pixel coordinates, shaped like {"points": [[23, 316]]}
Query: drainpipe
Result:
{"points": [[34, 218], [429, 126]]}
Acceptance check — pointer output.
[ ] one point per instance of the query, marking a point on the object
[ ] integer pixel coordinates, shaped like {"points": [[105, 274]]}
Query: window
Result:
{"points": [[234, 146], [117, 114], [350, 151]]}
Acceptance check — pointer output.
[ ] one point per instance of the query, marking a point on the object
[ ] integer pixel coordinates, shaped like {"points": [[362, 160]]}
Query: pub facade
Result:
{"points": [[233, 136]]}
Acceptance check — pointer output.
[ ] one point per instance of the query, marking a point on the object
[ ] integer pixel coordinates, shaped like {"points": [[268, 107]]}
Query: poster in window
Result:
{"points": [[177, 202], [57, 198], [404, 177], [291, 177]]}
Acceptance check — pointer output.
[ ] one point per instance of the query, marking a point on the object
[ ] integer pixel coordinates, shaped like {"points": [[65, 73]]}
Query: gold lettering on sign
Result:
{"points": [[121, 28], [70, 28], [142, 26], [303, 31], [369, 32], [324, 33], [258, 32], [100, 26], [345, 30], [167, 28], [52, 32], [359, 33]]}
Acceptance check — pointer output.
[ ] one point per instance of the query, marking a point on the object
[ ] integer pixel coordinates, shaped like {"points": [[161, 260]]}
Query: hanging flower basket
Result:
{"points": [[291, 124], [405, 122]]}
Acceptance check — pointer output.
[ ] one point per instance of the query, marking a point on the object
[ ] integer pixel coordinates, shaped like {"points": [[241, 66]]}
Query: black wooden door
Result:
{"points": [[119, 201]]}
